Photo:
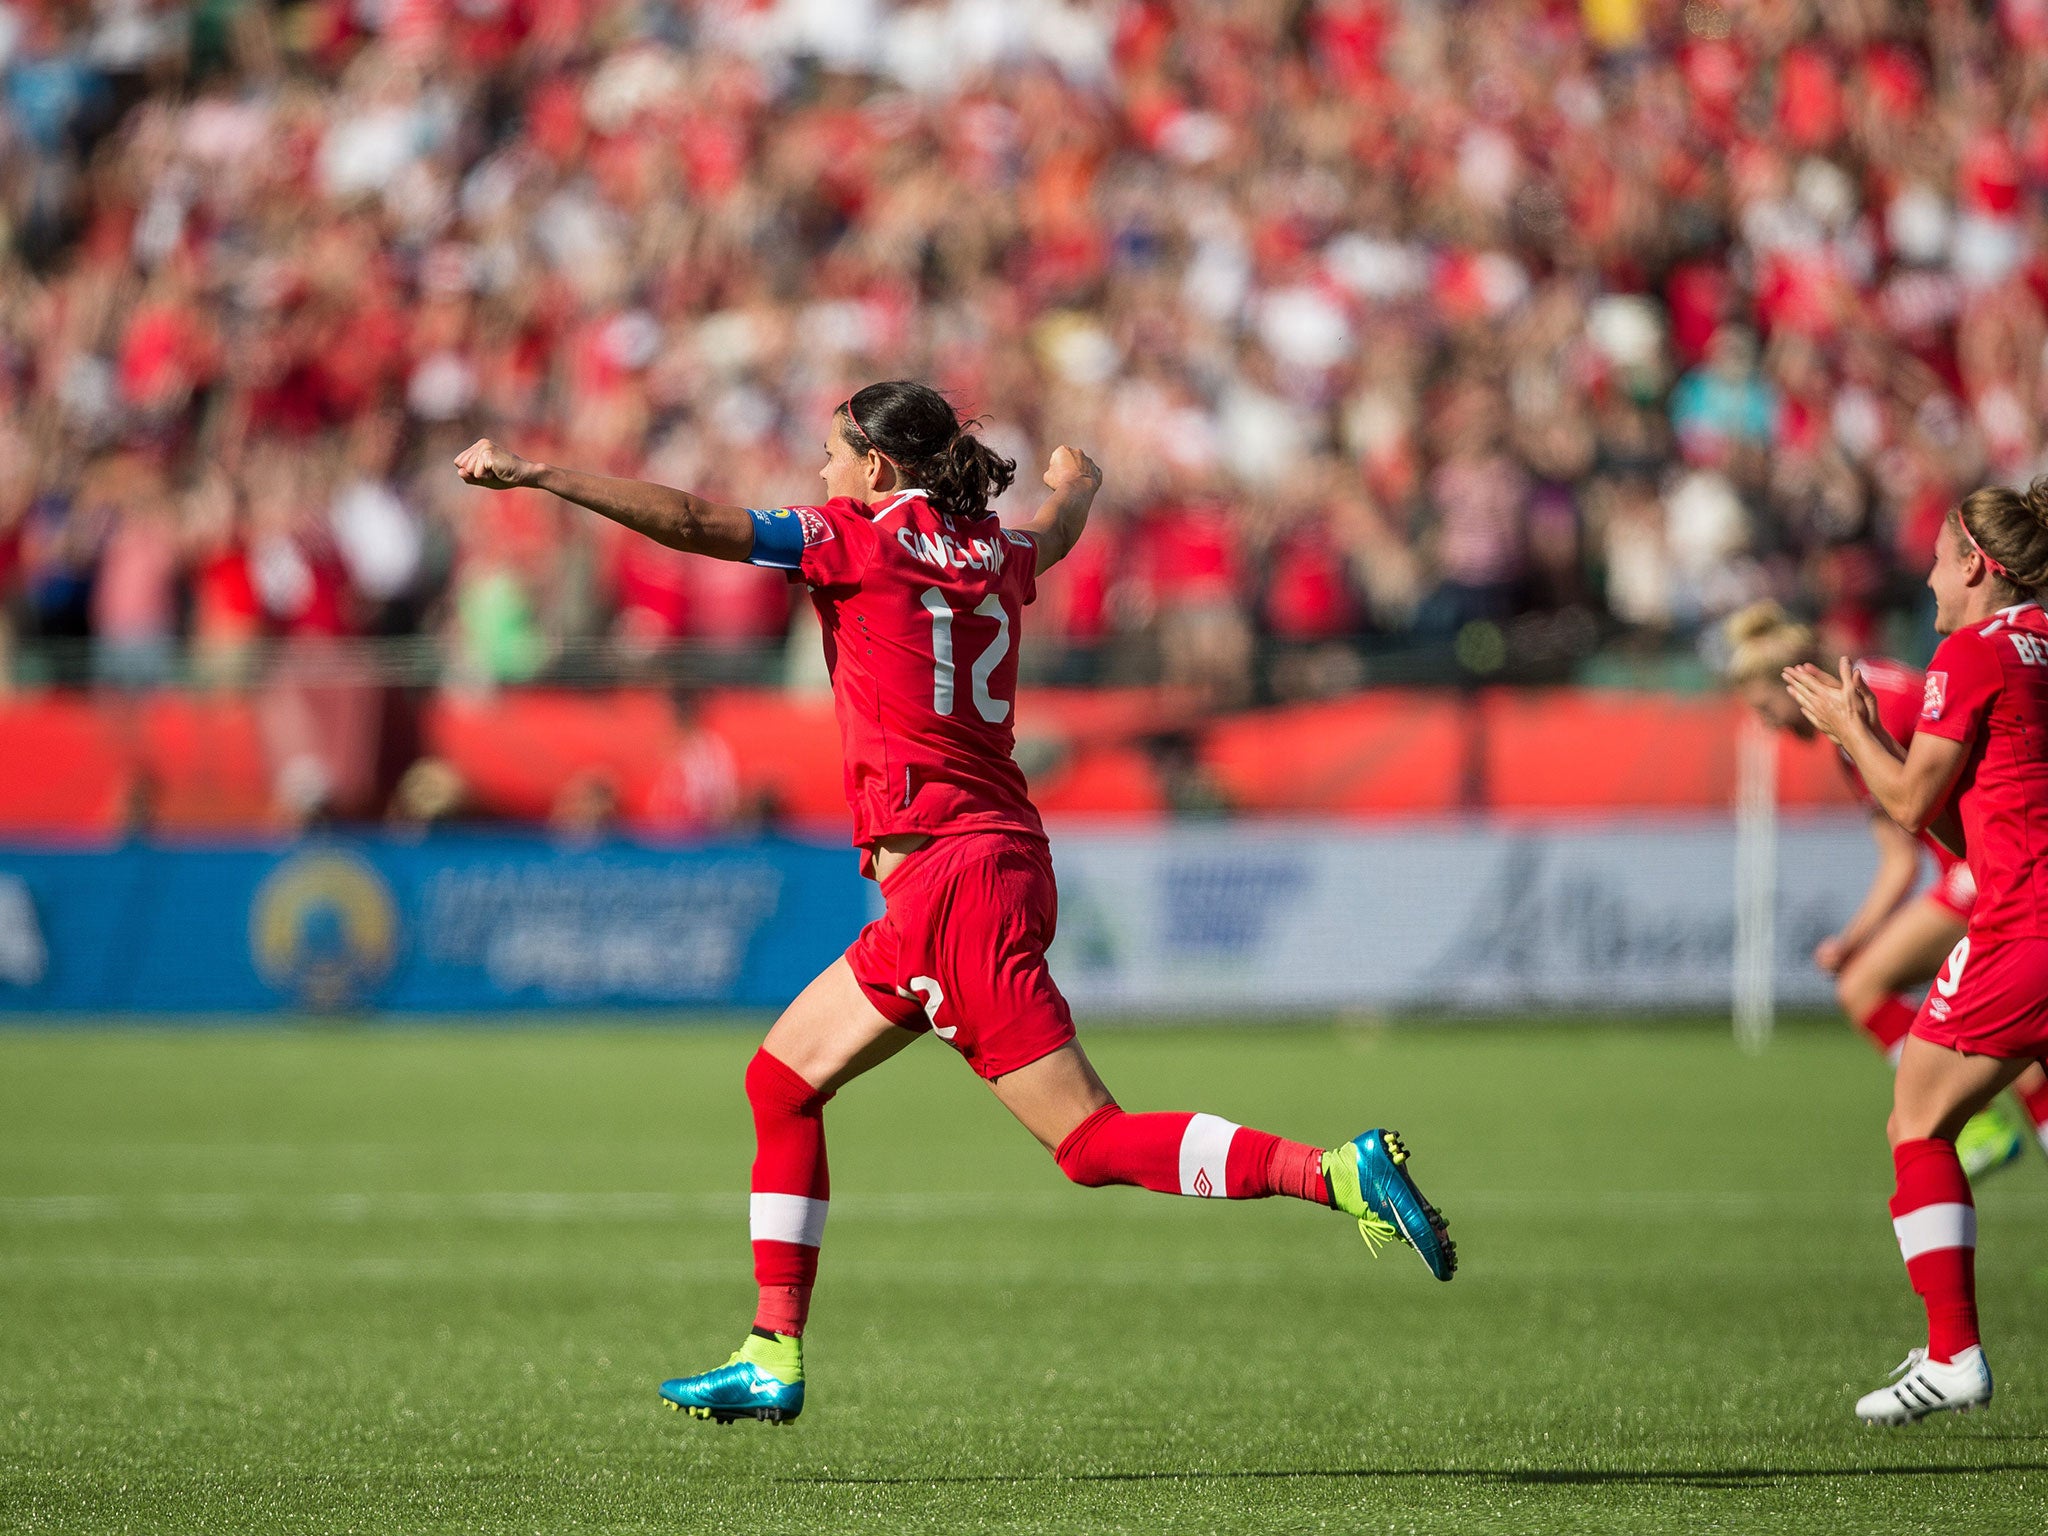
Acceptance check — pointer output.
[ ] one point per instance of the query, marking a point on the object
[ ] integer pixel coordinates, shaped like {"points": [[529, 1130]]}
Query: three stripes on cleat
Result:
{"points": [[1920, 1399]]}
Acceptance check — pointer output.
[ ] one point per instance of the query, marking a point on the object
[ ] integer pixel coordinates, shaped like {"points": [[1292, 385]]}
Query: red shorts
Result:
{"points": [[960, 949], [1991, 999], [1954, 890]]}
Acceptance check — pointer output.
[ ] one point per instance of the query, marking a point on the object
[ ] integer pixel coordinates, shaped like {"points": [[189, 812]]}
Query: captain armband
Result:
{"points": [[778, 540]]}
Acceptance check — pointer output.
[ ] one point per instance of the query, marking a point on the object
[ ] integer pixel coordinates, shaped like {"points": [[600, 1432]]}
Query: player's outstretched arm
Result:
{"points": [[1062, 517], [662, 513]]}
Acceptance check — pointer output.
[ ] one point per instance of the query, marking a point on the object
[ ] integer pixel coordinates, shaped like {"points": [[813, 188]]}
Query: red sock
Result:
{"points": [[1888, 1024], [791, 1191], [2035, 1101], [1263, 1164], [1183, 1154], [1936, 1223]]}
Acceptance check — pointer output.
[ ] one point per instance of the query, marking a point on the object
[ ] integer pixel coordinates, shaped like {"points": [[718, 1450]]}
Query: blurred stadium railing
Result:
{"points": [[322, 737]]}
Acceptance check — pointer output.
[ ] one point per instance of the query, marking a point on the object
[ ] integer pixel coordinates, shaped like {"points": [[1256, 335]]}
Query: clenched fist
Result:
{"points": [[1070, 466], [484, 463]]}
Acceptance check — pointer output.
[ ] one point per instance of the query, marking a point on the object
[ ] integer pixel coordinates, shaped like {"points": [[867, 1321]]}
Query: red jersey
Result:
{"points": [[1987, 687], [921, 614], [1899, 690]]}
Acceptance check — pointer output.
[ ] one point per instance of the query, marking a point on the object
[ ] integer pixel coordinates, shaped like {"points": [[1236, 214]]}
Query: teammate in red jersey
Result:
{"points": [[920, 592], [1890, 944], [1977, 772]]}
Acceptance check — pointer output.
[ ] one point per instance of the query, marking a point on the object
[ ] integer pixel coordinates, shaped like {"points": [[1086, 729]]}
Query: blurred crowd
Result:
{"points": [[1505, 331]]}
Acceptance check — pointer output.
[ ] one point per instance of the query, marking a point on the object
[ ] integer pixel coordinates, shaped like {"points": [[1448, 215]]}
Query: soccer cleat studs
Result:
{"points": [[774, 1416], [745, 1387], [1369, 1183]]}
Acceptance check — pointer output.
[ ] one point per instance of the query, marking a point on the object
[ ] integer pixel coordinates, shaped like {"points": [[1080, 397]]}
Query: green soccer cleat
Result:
{"points": [[1987, 1142], [1368, 1182], [764, 1380]]}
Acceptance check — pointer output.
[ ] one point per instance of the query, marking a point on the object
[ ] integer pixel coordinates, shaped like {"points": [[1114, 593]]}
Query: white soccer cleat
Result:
{"points": [[1921, 1386]]}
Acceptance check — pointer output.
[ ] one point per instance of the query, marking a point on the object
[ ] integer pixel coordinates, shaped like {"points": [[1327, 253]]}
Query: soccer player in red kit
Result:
{"points": [[1977, 772], [920, 592], [1889, 944]]}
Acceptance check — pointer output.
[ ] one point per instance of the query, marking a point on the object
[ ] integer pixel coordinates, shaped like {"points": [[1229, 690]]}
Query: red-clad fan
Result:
{"points": [[920, 592], [1976, 771], [1891, 945]]}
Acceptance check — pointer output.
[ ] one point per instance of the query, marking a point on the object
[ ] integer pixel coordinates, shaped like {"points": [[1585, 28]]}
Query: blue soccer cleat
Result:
{"points": [[764, 1380], [1368, 1182]]}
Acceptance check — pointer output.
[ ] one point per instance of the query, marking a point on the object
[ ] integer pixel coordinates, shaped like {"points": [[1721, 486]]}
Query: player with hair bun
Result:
{"points": [[1976, 771], [1890, 944], [920, 592]]}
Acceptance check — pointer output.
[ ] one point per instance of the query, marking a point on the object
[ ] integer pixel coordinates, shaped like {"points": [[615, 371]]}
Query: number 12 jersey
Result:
{"points": [[921, 618]]}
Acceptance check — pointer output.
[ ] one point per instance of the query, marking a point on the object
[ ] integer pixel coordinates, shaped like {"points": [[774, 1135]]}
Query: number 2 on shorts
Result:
{"points": [[933, 996]]}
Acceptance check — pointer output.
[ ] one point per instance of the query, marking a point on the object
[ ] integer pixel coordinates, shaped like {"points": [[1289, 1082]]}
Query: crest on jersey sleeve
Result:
{"points": [[816, 529], [1935, 698]]}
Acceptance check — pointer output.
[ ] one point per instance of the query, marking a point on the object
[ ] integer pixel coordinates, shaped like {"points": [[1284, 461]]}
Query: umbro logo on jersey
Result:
{"points": [[1935, 698]]}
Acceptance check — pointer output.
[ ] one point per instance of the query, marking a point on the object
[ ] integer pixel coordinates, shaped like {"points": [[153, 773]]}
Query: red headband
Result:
{"points": [[864, 432], [2001, 570]]}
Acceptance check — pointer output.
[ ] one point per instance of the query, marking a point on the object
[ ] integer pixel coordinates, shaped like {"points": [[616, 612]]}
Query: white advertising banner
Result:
{"points": [[1237, 917]]}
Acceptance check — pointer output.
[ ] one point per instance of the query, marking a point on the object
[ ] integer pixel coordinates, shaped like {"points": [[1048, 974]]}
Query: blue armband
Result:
{"points": [[778, 540]]}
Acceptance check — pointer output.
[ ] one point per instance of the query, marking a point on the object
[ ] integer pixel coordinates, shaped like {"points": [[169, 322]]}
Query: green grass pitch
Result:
{"points": [[332, 1279]]}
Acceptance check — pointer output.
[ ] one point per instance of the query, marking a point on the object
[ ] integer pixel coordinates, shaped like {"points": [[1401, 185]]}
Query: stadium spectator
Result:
{"points": [[586, 811], [697, 791], [1414, 316], [430, 794]]}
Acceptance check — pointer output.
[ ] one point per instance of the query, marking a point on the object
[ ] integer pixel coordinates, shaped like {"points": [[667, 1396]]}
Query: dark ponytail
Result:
{"points": [[913, 426]]}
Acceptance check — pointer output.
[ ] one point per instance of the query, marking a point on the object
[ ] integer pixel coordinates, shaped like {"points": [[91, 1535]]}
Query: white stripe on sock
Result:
{"points": [[786, 1219], [1204, 1150], [1934, 1227]]}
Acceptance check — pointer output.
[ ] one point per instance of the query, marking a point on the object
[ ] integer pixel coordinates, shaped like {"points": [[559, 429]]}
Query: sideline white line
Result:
{"points": [[848, 1269], [625, 1206], [214, 1154]]}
